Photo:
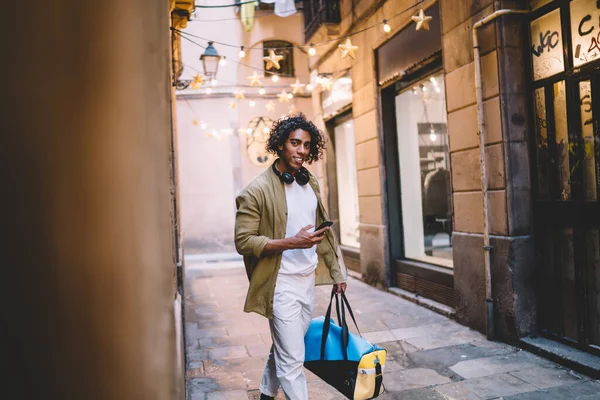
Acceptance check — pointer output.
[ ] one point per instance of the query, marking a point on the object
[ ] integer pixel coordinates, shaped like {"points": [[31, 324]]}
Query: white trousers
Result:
{"points": [[293, 305]]}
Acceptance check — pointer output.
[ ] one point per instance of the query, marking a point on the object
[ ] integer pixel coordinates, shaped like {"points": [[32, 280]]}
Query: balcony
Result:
{"points": [[318, 12]]}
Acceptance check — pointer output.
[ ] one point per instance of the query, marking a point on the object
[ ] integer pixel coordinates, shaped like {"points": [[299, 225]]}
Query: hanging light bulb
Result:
{"points": [[437, 89], [242, 53], [312, 51], [208, 91], [290, 96], [432, 135], [275, 78], [265, 130], [433, 80], [252, 103], [309, 87], [213, 82], [348, 125], [203, 125], [262, 91], [223, 61], [386, 27]]}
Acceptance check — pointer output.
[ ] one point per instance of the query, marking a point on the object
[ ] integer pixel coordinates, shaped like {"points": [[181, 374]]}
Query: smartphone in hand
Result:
{"points": [[324, 225]]}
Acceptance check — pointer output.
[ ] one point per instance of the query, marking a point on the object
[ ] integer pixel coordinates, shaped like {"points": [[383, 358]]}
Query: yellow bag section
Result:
{"points": [[365, 383]]}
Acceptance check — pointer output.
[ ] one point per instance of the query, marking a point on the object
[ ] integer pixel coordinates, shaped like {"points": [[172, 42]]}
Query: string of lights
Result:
{"points": [[233, 84], [228, 5], [237, 18], [185, 34], [384, 23]]}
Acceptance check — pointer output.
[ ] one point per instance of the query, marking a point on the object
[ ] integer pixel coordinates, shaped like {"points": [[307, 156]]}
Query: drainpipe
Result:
{"points": [[489, 302]]}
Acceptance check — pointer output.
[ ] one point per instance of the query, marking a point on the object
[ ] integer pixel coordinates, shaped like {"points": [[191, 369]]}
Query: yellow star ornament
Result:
{"points": [[348, 49], [422, 20], [239, 94], [198, 81], [271, 106], [283, 97], [273, 60], [255, 79], [297, 87]]}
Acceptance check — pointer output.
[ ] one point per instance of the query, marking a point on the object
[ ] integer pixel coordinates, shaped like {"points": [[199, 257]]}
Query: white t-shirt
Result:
{"points": [[301, 211]]}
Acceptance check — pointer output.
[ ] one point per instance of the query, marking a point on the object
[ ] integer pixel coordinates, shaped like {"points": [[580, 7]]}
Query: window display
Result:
{"points": [[424, 159]]}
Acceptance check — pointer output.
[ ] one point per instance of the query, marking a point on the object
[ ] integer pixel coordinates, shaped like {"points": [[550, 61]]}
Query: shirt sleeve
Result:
{"points": [[248, 242]]}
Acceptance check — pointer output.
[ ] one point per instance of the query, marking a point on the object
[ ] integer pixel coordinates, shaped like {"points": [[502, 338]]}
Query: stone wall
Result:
{"points": [[503, 66], [505, 106], [87, 288]]}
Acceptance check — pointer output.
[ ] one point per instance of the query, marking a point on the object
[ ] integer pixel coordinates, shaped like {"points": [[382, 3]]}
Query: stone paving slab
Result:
{"points": [[547, 377], [486, 366], [489, 387], [589, 390], [430, 357]]}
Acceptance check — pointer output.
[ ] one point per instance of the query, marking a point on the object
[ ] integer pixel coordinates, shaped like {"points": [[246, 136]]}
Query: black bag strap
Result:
{"points": [[342, 323], [326, 325], [378, 379], [345, 332], [345, 300]]}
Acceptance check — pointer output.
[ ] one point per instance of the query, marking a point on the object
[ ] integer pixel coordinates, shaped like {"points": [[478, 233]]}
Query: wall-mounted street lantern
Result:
{"points": [[210, 61]]}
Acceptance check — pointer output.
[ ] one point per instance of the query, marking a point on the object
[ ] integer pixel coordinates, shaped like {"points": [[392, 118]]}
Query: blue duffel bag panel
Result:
{"points": [[357, 346]]}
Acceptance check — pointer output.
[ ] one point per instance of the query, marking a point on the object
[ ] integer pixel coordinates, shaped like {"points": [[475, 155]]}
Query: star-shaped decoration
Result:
{"points": [[232, 104], [293, 109], [283, 97], [326, 84], [255, 79], [422, 20], [197, 82], [239, 94], [297, 87], [348, 49], [270, 106], [273, 60]]}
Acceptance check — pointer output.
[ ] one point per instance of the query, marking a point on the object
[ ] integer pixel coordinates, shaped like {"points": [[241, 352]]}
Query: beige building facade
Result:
{"points": [[416, 161]]}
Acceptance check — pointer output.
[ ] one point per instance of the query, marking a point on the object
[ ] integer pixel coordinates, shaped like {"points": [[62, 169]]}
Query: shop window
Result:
{"points": [[541, 139], [585, 31], [345, 158], [424, 161], [547, 46], [284, 49]]}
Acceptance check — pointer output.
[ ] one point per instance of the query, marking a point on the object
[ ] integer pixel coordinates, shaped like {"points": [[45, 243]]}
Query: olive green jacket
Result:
{"points": [[261, 216]]}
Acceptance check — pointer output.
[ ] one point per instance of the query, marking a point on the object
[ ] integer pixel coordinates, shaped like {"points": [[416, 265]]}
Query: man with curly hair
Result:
{"points": [[284, 257]]}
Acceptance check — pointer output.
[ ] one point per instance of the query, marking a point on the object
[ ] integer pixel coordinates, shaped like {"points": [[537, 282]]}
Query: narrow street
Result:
{"points": [[429, 356]]}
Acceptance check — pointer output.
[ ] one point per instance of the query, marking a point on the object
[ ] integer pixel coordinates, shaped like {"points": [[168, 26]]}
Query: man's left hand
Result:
{"points": [[339, 287]]}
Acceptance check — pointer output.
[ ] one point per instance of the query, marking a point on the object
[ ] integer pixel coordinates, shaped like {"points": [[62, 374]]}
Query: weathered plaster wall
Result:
{"points": [[87, 296]]}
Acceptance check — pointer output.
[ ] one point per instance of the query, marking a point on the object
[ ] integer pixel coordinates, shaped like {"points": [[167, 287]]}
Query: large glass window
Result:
{"points": [[345, 158], [424, 160], [547, 48]]}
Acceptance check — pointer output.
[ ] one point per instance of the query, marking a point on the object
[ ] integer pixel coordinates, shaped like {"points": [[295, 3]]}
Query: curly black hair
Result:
{"points": [[285, 125]]}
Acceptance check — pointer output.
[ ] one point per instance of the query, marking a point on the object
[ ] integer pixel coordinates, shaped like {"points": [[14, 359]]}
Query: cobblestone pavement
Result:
{"points": [[429, 356]]}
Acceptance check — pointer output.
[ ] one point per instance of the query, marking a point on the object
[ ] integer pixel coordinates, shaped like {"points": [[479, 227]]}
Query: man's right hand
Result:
{"points": [[305, 239]]}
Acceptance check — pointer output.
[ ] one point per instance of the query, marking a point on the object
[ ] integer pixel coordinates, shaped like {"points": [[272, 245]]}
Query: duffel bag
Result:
{"points": [[342, 359]]}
